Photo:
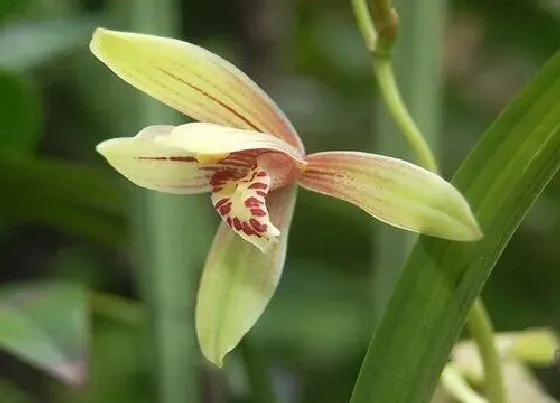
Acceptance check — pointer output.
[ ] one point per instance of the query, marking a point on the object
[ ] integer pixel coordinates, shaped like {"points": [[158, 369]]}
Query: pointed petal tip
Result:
{"points": [[476, 231], [211, 349], [98, 35], [215, 358], [394, 191], [468, 231], [104, 40], [107, 146], [101, 148]]}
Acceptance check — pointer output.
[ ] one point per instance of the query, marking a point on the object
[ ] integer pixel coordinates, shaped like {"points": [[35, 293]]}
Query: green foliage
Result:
{"points": [[20, 112], [502, 178], [28, 45], [320, 316], [47, 326], [71, 198], [9, 7], [9, 393]]}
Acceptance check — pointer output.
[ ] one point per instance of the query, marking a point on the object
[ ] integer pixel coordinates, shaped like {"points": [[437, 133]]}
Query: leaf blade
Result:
{"points": [[32, 317], [502, 177]]}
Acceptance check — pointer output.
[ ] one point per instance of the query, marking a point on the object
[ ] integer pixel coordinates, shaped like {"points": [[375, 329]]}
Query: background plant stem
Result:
{"points": [[258, 373], [171, 242], [418, 45], [480, 329]]}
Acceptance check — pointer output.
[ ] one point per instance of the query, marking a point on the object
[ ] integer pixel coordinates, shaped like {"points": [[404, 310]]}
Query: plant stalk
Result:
{"points": [[389, 93], [171, 234], [480, 328]]}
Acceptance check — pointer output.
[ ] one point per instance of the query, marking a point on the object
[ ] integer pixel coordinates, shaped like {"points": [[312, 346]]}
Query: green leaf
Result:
{"points": [[8, 7], [20, 113], [40, 41], [76, 199], [10, 393], [46, 325], [501, 178]]}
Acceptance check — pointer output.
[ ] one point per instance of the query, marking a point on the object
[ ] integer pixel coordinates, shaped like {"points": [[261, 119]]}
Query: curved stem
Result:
{"points": [[361, 12], [390, 94], [480, 328]]}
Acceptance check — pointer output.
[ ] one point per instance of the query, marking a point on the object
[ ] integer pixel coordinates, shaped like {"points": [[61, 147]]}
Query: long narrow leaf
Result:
{"points": [[46, 325], [76, 199], [501, 178]]}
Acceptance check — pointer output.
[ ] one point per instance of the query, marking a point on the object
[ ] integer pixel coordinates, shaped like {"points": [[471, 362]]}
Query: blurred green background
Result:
{"points": [[64, 214]]}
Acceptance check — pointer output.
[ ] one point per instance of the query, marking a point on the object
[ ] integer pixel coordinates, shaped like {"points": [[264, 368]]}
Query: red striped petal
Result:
{"points": [[192, 80]]}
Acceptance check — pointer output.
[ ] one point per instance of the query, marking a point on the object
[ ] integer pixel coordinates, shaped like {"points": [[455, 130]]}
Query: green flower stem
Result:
{"points": [[480, 328], [389, 92], [478, 322], [363, 19]]}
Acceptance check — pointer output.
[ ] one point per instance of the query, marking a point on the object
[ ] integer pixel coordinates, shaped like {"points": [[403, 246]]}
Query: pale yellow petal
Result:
{"points": [[192, 80], [158, 167], [394, 191], [238, 281], [207, 139]]}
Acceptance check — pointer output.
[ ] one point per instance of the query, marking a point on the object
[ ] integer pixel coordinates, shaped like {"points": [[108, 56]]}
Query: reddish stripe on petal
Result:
{"points": [[263, 120], [174, 159], [153, 158], [183, 159], [199, 114], [320, 173], [285, 129], [252, 202], [221, 202], [259, 227], [257, 185], [225, 209], [247, 229], [236, 224], [257, 212], [207, 95]]}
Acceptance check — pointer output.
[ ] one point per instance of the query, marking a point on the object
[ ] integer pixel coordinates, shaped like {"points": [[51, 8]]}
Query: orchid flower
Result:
{"points": [[464, 375], [246, 153]]}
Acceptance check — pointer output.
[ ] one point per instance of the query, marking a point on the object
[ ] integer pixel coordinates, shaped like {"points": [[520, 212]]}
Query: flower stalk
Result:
{"points": [[480, 328], [378, 23], [390, 95]]}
